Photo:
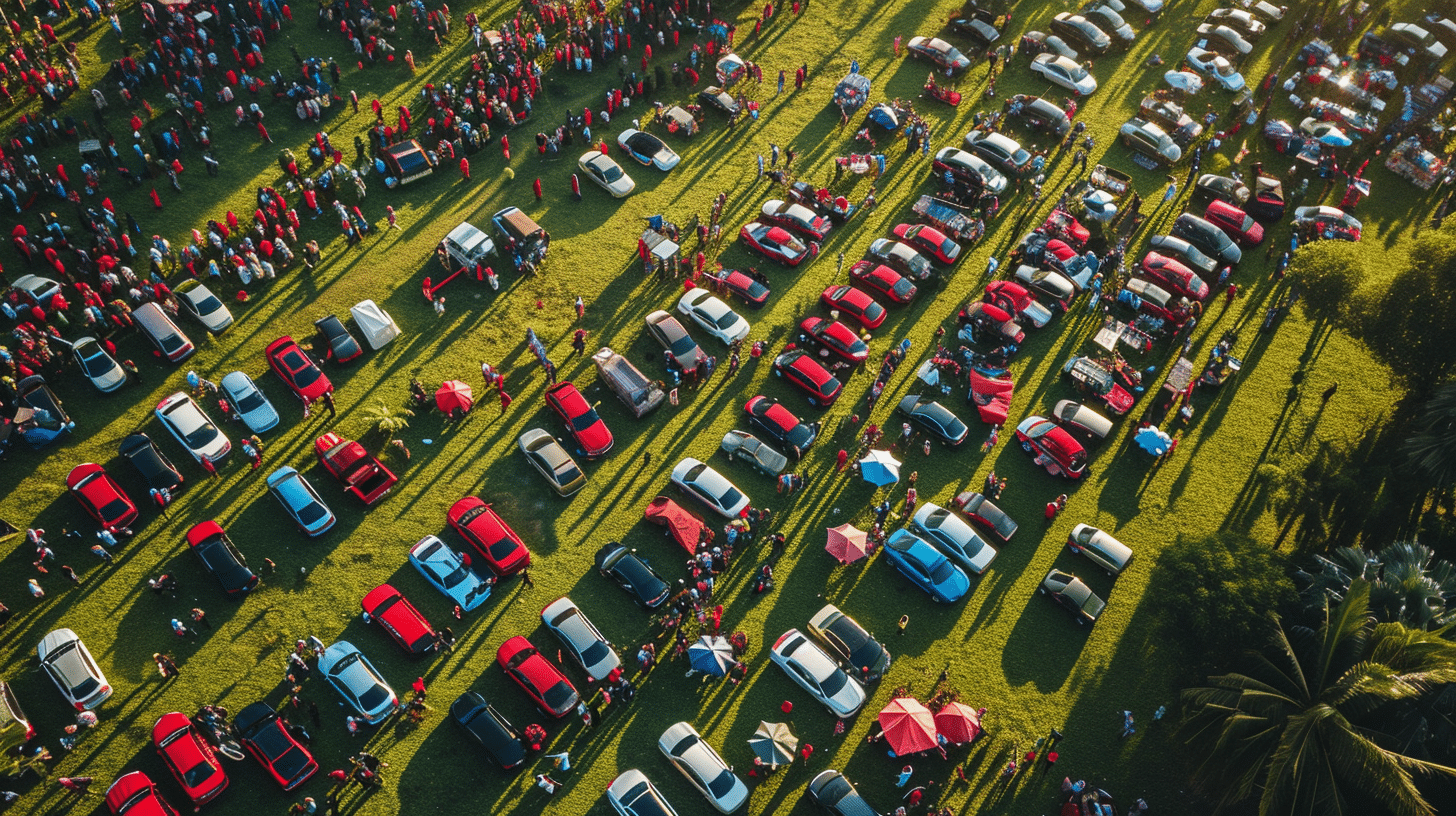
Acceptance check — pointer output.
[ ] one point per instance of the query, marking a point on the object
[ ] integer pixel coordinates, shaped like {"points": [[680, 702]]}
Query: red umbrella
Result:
{"points": [[909, 726], [847, 543], [452, 396], [958, 722]]}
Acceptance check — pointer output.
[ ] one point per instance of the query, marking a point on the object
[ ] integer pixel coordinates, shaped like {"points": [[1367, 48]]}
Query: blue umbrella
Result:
{"points": [[711, 655], [879, 468], [1153, 440]]}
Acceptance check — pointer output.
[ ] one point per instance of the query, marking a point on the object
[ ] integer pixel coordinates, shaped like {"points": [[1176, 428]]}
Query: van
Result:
{"points": [[520, 232], [468, 245], [171, 343], [1100, 548], [630, 385]]}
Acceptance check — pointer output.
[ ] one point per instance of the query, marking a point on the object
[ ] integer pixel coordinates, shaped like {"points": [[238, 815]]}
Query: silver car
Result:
{"points": [[955, 538], [357, 681], [633, 794], [685, 748], [709, 487], [817, 673], [552, 461], [1100, 548], [205, 307], [99, 367], [190, 426], [583, 641], [255, 409], [68, 663], [745, 447]]}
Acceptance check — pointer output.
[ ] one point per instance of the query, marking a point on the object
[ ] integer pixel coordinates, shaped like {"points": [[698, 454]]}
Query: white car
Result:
{"points": [[954, 537], [633, 794], [1240, 20], [1216, 67], [648, 149], [189, 425], [1065, 73], [99, 367], [1186, 82], [37, 290], [357, 681], [446, 571], [1224, 39], [255, 409], [68, 663], [1265, 9], [709, 487], [713, 315], [583, 641], [818, 673], [605, 171], [686, 749], [205, 307]]}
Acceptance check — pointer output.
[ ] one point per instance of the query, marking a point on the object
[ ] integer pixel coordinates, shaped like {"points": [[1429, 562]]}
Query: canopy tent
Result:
{"points": [[1153, 440], [909, 726], [846, 543], [376, 325]]}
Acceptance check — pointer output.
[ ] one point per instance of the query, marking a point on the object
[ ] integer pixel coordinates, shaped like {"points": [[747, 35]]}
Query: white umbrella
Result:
{"points": [[879, 468]]}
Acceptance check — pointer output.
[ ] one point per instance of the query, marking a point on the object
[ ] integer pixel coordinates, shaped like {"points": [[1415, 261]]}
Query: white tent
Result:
{"points": [[375, 323]]}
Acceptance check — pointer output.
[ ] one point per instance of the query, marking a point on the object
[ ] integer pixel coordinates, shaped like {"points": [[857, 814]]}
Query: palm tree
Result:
{"points": [[386, 420], [1407, 583], [1303, 728], [1432, 448]]}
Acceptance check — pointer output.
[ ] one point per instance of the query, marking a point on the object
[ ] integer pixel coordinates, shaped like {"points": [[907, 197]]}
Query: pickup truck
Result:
{"points": [[362, 475]]}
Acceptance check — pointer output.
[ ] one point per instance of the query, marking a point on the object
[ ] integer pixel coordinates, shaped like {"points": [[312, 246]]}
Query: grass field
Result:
{"points": [[1003, 649]]}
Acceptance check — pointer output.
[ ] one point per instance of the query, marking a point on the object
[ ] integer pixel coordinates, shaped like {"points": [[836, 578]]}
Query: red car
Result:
{"points": [[777, 244], [751, 286], [101, 497], [856, 304], [582, 422], [1064, 225], [800, 368], [1239, 225], [296, 369], [1053, 448], [189, 757], [262, 733], [780, 424], [385, 605], [488, 533], [682, 524], [931, 240], [839, 339], [364, 477], [883, 280], [539, 677], [135, 795], [1173, 276]]}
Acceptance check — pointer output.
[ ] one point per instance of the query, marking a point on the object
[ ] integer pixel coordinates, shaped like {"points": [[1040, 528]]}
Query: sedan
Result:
{"points": [[1225, 40], [136, 795], [552, 461], [1239, 20], [979, 25], [1052, 447], [355, 678], [1213, 187], [342, 345], [929, 239], [583, 641], [849, 641], [100, 368], [970, 168], [189, 757], [488, 727], [1235, 222], [1101, 548], [189, 425], [746, 447], [1081, 33], [296, 370], [67, 661], [883, 281], [1088, 426], [777, 244], [986, 515], [1072, 595], [902, 258], [749, 284], [780, 424], [255, 409], [385, 606], [155, 468], [832, 791], [927, 567], [1172, 276], [489, 535], [1186, 252], [592, 435], [1148, 139], [709, 487], [1000, 150], [695, 759], [220, 557], [446, 571], [953, 537], [205, 307], [818, 674], [719, 99], [633, 794], [1207, 237], [836, 338], [647, 149], [1064, 73], [713, 315], [537, 676], [608, 175], [856, 304], [633, 574], [1216, 67], [301, 501], [934, 418], [670, 334], [262, 733], [940, 52], [1112, 24], [796, 217], [101, 497], [1040, 114], [805, 373]]}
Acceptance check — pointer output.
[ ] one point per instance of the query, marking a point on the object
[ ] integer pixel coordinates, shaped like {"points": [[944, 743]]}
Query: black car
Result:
{"points": [[1072, 595], [221, 558], [633, 574], [342, 345], [979, 25], [263, 734], [990, 518], [934, 418], [1081, 33], [781, 425], [1112, 24], [864, 656], [1211, 187], [1206, 236], [719, 99], [834, 792], [151, 463], [494, 732], [1039, 114]]}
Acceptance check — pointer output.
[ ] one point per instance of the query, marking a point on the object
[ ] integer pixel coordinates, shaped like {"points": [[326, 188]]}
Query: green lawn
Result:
{"points": [[1003, 649]]}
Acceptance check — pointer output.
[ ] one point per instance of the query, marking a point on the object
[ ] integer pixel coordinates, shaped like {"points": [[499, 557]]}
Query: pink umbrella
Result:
{"points": [[909, 726], [958, 722], [847, 544]]}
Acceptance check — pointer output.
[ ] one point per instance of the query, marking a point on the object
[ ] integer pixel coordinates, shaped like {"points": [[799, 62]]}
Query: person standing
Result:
{"points": [[505, 399], [904, 777], [211, 468], [329, 404], [526, 582]]}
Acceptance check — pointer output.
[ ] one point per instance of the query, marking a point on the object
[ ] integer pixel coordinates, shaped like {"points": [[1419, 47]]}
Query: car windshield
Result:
{"points": [[200, 436], [251, 401], [584, 420], [594, 653], [208, 305], [304, 372], [832, 684], [197, 774], [559, 695], [682, 346], [721, 784], [612, 172], [93, 360], [373, 697], [311, 512], [726, 319], [730, 498], [942, 572]]}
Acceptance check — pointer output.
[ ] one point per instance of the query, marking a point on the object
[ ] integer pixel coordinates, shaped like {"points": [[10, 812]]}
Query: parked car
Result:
{"points": [[387, 607], [1038, 42], [489, 535], [933, 418], [883, 281], [1052, 447], [99, 367], [777, 244], [633, 574], [979, 25], [796, 218], [190, 758], [262, 733], [357, 681], [939, 52], [552, 461], [633, 794], [1236, 223], [817, 673], [1081, 33], [1150, 140], [342, 347], [1111, 23], [1185, 252], [1217, 67], [101, 497], [713, 316], [1171, 117], [929, 240], [745, 447], [855, 647], [954, 538], [696, 760], [718, 99], [927, 567], [750, 285], [446, 571], [191, 427], [361, 473], [970, 168], [832, 791], [1207, 237], [69, 664], [780, 425], [604, 170], [709, 487], [583, 641], [902, 258], [155, 468], [1055, 287], [135, 794], [1068, 591], [671, 335], [301, 501], [1172, 276], [647, 149], [296, 369], [249, 403], [1083, 423], [219, 556], [986, 515], [801, 369], [834, 337], [1038, 113], [591, 434], [542, 681], [1003, 152], [35, 290], [1064, 73], [1101, 548], [1416, 40], [856, 304], [1223, 40], [1239, 20], [500, 739]]}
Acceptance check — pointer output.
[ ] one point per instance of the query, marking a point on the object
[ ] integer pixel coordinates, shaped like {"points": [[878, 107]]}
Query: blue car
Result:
{"points": [[446, 571], [927, 567], [301, 501]]}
